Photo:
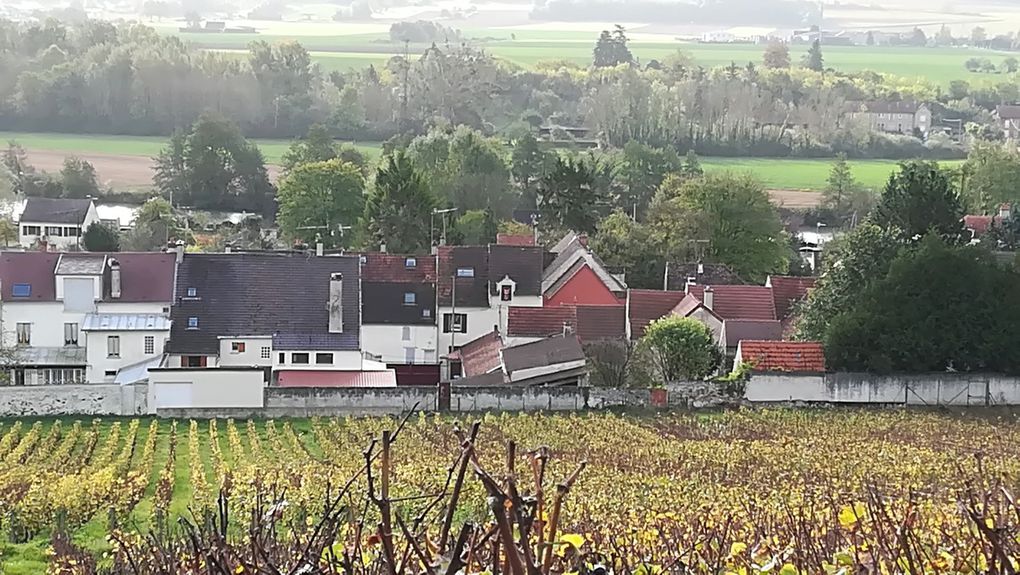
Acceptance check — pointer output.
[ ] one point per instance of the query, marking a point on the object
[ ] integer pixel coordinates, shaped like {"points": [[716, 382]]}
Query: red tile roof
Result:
{"points": [[595, 322], [394, 268], [788, 291], [980, 224], [796, 356], [540, 321], [739, 302], [480, 356], [646, 306], [328, 378], [515, 240]]}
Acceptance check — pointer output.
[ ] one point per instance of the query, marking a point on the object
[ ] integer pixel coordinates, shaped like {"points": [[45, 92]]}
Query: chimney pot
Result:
{"points": [[179, 249], [115, 281], [709, 297], [382, 247], [320, 249], [228, 248]]}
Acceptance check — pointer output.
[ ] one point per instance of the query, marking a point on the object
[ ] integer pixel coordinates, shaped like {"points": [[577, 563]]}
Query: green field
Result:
{"points": [[776, 173], [528, 47]]}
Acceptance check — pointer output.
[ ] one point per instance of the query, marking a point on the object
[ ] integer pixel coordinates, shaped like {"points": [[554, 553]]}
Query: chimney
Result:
{"points": [[583, 240], [114, 279], [228, 248], [709, 299], [382, 247], [701, 268], [320, 249], [1005, 211], [179, 249], [336, 308]]}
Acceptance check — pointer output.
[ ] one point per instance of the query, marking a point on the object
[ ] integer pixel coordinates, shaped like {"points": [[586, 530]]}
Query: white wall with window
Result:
{"points": [[107, 352], [319, 359], [400, 344], [246, 351]]}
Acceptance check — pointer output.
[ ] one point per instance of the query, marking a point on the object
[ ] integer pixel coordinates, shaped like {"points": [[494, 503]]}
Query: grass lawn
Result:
{"points": [[806, 174], [148, 146]]}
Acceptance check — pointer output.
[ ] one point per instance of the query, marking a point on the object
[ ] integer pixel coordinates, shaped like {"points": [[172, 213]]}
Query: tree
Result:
{"points": [[527, 162], [100, 237], [682, 349], [319, 146], [973, 64], [992, 172], [642, 171], [323, 200], [978, 36], [570, 197], [891, 329], [777, 56], [1011, 65], [78, 177], [918, 37], [692, 166], [611, 49], [851, 263], [814, 60], [398, 211], [213, 167], [918, 199], [944, 37], [724, 218], [155, 226], [624, 244], [8, 231], [476, 228], [843, 194]]}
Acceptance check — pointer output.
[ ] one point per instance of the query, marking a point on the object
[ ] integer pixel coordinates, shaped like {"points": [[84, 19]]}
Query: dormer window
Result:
{"points": [[411, 263], [21, 290], [410, 298], [465, 272], [192, 292], [192, 323]]}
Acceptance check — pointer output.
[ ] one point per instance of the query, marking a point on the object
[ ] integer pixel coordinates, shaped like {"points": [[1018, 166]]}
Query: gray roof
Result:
{"points": [[735, 330], [125, 322], [549, 351], [285, 295], [81, 265], [55, 211], [1008, 112], [70, 356]]}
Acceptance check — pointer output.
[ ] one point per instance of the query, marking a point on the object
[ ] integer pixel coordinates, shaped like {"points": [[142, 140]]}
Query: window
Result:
{"points": [[192, 323], [454, 323], [405, 334], [54, 231], [426, 312], [63, 376], [299, 358], [31, 230], [21, 290], [193, 361], [237, 347], [72, 232], [408, 355], [410, 298], [150, 345], [266, 353], [465, 272], [324, 358], [411, 263], [283, 358], [113, 346], [192, 292], [24, 331], [110, 373], [70, 334]]}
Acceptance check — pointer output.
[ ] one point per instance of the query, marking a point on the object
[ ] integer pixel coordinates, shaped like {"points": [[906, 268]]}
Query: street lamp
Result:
{"points": [[432, 224]]}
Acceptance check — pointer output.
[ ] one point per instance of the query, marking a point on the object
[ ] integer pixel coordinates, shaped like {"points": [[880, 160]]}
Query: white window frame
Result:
{"points": [[113, 346], [266, 352], [70, 333], [150, 345], [24, 333], [465, 272], [410, 298]]}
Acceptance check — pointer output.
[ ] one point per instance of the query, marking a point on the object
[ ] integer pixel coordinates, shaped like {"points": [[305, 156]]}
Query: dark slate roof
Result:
{"points": [[146, 277], [598, 322], [550, 351], [55, 211], [1008, 112], [383, 303], [523, 264], [471, 291], [709, 274], [280, 294]]}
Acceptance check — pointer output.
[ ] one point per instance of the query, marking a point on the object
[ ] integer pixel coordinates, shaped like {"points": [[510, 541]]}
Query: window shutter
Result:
{"points": [[447, 319]]}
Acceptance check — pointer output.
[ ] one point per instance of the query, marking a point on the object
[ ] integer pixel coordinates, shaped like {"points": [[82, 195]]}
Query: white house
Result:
{"points": [[59, 223], [53, 307]]}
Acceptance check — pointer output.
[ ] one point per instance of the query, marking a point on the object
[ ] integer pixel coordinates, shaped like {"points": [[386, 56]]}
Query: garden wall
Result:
{"points": [[46, 400], [939, 389]]}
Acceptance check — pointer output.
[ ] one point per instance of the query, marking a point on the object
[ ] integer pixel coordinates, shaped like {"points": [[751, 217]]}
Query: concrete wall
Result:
{"points": [[62, 400], [205, 388], [395, 343], [132, 351], [309, 401], [252, 354], [947, 389]]}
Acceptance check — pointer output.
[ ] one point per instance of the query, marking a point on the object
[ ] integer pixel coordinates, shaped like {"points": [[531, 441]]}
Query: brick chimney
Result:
{"points": [[115, 287], [335, 306]]}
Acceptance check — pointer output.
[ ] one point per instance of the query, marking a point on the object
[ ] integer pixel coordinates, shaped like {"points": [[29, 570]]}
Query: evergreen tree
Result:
{"points": [[570, 196], [918, 199], [101, 238], [692, 166], [399, 209], [814, 60], [611, 49]]}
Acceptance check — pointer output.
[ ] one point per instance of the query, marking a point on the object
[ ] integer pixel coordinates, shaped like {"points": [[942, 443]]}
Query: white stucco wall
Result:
{"points": [[252, 354], [132, 350], [390, 342], [480, 321], [205, 388], [48, 319]]}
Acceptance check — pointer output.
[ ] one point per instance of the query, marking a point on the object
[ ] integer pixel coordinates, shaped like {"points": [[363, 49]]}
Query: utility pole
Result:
{"points": [[453, 312]]}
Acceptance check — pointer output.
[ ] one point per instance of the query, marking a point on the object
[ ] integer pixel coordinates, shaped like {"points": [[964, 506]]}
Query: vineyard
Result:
{"points": [[739, 492]]}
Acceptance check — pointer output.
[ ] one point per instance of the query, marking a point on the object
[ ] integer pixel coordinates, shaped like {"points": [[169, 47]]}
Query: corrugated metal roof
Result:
{"points": [[137, 372], [62, 356], [329, 378], [125, 322]]}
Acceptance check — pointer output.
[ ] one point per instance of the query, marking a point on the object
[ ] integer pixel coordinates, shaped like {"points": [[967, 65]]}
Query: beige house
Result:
{"points": [[904, 117]]}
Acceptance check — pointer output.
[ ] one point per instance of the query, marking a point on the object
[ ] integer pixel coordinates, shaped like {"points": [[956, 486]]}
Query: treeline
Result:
{"points": [[95, 77]]}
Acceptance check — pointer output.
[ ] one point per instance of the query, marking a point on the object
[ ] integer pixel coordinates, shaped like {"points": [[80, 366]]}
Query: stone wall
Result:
{"points": [[309, 401], [61, 400], [938, 389]]}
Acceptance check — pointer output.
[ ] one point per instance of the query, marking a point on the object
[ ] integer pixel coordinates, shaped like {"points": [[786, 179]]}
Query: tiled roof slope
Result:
{"points": [[515, 240], [146, 277], [55, 210], [595, 322], [646, 306], [787, 291], [394, 268], [711, 274], [523, 264], [283, 295], [472, 291], [540, 321], [481, 355], [793, 356], [739, 302]]}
